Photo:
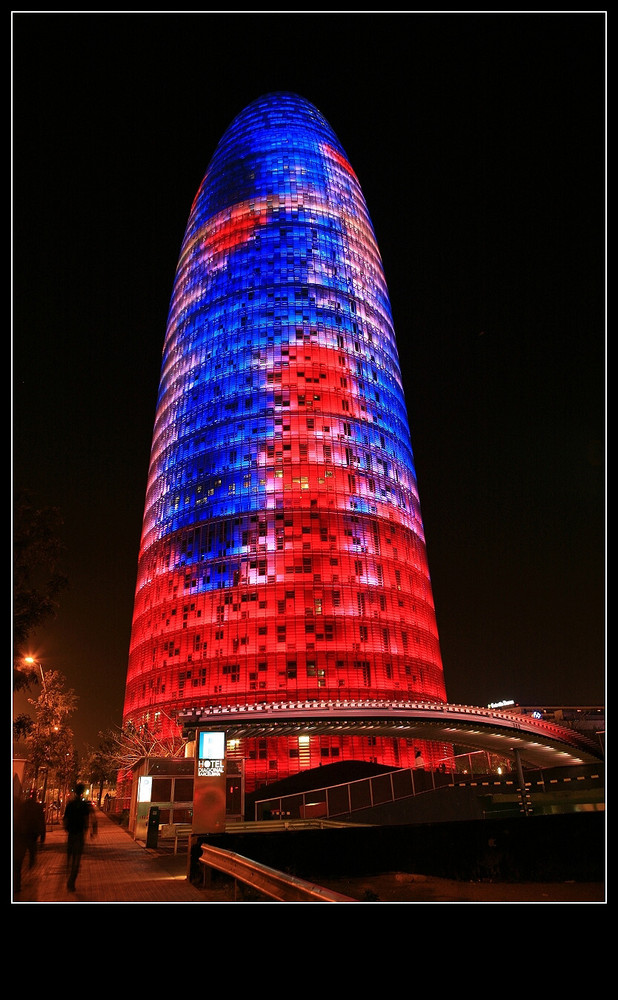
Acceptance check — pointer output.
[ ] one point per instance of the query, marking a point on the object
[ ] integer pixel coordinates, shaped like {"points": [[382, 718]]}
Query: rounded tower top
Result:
{"points": [[280, 110], [279, 121]]}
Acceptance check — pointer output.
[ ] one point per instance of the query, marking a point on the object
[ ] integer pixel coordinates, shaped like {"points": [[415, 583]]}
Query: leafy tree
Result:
{"points": [[100, 766], [22, 725], [37, 577], [67, 771], [50, 740]]}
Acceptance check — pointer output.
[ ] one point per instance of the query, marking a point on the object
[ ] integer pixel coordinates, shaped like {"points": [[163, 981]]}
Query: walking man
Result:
{"points": [[78, 817]]}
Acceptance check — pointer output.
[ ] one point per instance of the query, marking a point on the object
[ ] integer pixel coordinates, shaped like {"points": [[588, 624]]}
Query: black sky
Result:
{"points": [[479, 142]]}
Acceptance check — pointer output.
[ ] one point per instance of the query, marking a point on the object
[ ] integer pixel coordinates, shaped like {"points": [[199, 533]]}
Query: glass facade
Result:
{"points": [[282, 553]]}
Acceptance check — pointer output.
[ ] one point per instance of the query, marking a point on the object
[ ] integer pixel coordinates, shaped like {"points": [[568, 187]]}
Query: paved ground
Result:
{"points": [[399, 887], [116, 869]]}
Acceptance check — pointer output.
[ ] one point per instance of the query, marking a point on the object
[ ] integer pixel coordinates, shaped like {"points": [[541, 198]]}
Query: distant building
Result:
{"points": [[587, 719], [282, 554]]}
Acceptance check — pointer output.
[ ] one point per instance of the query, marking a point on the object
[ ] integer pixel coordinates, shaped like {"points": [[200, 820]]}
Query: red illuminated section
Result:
{"points": [[335, 155], [329, 594], [234, 231]]}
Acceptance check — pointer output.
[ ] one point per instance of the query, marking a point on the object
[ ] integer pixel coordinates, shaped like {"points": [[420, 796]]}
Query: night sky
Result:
{"points": [[479, 142]]}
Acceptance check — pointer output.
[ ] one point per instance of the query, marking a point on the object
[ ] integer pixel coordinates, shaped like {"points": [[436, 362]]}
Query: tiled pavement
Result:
{"points": [[114, 869]]}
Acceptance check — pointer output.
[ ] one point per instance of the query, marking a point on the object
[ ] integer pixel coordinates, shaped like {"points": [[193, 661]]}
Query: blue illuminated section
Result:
{"points": [[278, 250]]}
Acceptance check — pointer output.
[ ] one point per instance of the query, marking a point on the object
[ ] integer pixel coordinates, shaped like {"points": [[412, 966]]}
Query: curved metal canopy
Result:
{"points": [[539, 743]]}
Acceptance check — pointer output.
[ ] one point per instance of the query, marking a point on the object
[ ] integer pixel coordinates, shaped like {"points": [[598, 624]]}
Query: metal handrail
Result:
{"points": [[448, 779], [267, 881]]}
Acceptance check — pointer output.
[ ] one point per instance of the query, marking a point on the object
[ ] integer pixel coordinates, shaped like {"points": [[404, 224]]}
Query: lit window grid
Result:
{"points": [[278, 757], [281, 392]]}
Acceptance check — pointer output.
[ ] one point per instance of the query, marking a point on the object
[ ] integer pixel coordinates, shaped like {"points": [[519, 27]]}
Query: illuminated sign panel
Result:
{"points": [[211, 746], [211, 755], [145, 789]]}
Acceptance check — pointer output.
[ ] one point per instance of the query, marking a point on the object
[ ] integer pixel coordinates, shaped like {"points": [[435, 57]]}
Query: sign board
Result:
{"points": [[209, 786], [144, 789]]}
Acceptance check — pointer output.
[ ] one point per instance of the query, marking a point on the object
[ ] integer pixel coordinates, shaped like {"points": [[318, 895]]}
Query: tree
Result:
{"points": [[22, 725], [50, 740], [66, 772], [128, 745], [100, 766], [37, 577], [120, 749]]}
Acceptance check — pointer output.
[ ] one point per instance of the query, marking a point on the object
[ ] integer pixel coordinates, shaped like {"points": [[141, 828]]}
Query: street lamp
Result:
{"points": [[31, 660]]}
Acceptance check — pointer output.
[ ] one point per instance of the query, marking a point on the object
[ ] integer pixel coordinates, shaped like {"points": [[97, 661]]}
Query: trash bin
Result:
{"points": [[152, 834]]}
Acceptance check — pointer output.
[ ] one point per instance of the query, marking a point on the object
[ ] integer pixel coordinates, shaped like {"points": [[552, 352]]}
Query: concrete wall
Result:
{"points": [[542, 848]]}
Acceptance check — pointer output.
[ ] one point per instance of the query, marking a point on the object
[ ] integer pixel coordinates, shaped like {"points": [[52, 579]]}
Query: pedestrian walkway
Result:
{"points": [[114, 869]]}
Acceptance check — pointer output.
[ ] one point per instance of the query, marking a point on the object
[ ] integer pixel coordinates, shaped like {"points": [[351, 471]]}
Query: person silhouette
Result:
{"points": [[28, 828], [79, 815]]}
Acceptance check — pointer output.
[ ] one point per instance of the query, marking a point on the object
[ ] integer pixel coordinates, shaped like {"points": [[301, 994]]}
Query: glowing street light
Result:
{"points": [[31, 660]]}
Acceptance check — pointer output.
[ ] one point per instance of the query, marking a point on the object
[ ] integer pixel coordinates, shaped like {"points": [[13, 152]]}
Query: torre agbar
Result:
{"points": [[282, 555]]}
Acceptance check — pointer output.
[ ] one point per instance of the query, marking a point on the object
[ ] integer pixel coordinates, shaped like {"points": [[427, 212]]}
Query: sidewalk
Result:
{"points": [[114, 869]]}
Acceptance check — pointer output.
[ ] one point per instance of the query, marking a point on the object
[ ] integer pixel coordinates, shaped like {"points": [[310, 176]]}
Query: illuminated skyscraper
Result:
{"points": [[282, 554]]}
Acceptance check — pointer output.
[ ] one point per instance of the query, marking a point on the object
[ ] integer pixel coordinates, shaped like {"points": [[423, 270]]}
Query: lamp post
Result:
{"points": [[31, 660]]}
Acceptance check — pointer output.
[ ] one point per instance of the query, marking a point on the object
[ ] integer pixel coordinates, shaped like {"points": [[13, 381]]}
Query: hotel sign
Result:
{"points": [[209, 797]]}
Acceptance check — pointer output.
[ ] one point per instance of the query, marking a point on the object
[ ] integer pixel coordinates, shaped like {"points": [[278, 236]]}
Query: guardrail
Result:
{"points": [[175, 832], [267, 881], [281, 825], [184, 831]]}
